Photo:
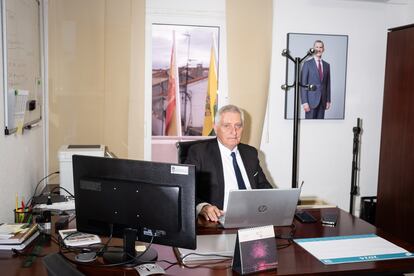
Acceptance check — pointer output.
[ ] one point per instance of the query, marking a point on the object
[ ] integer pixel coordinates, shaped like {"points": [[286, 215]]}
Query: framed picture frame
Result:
{"points": [[192, 47], [328, 95]]}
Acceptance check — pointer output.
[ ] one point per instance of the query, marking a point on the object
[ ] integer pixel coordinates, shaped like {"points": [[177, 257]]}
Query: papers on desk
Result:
{"points": [[71, 237], [22, 245], [352, 249], [209, 247], [57, 206], [17, 235], [14, 233]]}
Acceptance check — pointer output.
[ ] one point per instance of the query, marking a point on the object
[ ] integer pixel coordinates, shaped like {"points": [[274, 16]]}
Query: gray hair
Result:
{"points": [[228, 108], [318, 41]]}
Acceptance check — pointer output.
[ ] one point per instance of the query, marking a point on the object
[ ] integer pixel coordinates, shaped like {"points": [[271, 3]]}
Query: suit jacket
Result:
{"points": [[209, 171], [310, 75]]}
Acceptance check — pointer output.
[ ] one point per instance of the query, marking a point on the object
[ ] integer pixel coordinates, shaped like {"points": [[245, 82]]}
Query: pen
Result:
{"points": [[21, 215], [30, 219]]}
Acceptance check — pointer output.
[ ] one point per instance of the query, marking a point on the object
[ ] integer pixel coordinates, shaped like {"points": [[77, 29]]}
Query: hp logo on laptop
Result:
{"points": [[262, 208]]}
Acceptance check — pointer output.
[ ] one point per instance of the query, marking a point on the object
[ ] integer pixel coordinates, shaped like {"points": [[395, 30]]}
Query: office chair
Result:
{"points": [[56, 265], [184, 146]]}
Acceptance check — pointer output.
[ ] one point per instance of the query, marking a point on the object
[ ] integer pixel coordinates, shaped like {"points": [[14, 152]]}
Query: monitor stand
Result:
{"points": [[127, 254]]}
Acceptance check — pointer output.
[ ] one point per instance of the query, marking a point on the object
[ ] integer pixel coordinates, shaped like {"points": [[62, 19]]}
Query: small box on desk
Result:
{"points": [[308, 202], [65, 161], [61, 223]]}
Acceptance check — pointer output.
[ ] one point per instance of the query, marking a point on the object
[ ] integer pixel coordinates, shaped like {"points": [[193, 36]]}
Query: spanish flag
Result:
{"points": [[172, 117], [211, 98]]}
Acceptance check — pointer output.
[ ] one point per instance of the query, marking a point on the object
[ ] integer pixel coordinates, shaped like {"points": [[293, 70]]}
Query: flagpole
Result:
{"points": [[188, 35], [177, 93], [211, 97], [173, 121]]}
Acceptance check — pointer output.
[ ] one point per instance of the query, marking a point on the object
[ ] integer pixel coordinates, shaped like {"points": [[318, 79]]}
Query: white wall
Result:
{"points": [[325, 154], [22, 162]]}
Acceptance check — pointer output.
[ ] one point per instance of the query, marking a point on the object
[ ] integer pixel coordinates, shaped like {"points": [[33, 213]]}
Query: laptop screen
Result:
{"points": [[250, 208]]}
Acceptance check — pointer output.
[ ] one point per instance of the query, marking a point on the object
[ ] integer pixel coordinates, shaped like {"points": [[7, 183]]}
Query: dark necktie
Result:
{"points": [[320, 69], [239, 176]]}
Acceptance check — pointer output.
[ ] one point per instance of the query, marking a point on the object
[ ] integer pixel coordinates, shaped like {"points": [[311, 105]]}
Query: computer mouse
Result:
{"points": [[149, 269]]}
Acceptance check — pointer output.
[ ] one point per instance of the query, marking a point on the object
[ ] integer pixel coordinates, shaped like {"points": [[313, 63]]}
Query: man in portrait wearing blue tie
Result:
{"points": [[316, 71], [224, 164]]}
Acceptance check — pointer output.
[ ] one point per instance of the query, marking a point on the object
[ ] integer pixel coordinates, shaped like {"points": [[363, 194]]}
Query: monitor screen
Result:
{"points": [[154, 200]]}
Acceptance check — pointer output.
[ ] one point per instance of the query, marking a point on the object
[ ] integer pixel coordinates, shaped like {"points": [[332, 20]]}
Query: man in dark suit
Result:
{"points": [[317, 72], [215, 160]]}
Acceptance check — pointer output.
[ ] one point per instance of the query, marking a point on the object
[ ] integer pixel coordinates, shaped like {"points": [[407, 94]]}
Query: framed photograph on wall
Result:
{"points": [[325, 70], [191, 51]]}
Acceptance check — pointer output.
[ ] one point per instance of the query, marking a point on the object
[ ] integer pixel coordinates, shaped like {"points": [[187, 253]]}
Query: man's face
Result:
{"points": [[229, 130], [319, 48]]}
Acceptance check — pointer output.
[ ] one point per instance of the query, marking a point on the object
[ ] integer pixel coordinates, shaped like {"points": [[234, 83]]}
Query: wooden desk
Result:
{"points": [[293, 260]]}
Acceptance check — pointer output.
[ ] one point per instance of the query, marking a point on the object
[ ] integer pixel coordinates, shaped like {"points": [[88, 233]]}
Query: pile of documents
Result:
{"points": [[209, 248], [57, 206], [71, 237], [17, 235]]}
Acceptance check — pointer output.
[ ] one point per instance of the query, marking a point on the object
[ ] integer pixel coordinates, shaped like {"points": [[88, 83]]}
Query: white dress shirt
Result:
{"points": [[230, 179]]}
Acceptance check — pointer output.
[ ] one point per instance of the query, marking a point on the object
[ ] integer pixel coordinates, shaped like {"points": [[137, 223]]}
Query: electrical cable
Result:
{"points": [[206, 255], [77, 249], [22, 253], [111, 229], [288, 237], [209, 265], [37, 185], [61, 188]]}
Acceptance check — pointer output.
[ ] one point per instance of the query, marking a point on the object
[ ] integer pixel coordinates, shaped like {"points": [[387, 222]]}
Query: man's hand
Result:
{"points": [[211, 213], [328, 105], [306, 107]]}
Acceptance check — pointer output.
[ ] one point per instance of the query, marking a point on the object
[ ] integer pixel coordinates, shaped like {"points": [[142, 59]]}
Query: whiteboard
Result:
{"points": [[22, 63]]}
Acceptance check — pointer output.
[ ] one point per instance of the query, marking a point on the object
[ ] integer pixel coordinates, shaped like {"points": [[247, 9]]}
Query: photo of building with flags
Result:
{"points": [[184, 90]]}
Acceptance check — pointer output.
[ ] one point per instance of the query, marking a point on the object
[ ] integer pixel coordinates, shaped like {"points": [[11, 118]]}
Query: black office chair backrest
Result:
{"points": [[184, 146], [56, 265]]}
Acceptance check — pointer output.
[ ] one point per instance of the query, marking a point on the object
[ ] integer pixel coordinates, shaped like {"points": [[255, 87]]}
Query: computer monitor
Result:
{"points": [[135, 200]]}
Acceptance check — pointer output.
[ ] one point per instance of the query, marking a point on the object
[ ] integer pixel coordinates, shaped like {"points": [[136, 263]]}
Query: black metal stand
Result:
{"points": [[127, 255], [355, 153], [296, 109]]}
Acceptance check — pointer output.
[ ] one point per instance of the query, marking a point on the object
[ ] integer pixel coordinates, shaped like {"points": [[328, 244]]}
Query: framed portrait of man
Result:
{"points": [[322, 75]]}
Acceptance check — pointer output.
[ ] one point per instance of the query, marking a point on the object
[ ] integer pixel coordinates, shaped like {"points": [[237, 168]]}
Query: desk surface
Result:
{"points": [[293, 260]]}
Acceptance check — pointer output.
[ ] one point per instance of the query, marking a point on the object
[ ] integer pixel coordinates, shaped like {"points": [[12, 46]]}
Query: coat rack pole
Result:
{"points": [[296, 109]]}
